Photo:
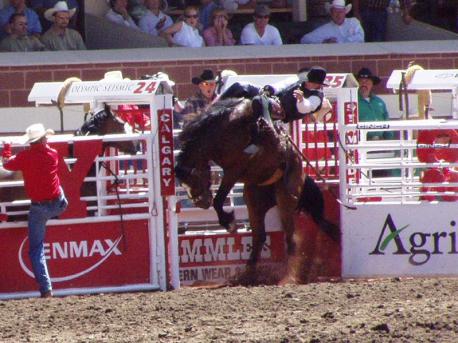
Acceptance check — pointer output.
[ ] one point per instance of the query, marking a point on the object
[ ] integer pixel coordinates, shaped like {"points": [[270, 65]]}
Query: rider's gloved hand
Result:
{"points": [[268, 90]]}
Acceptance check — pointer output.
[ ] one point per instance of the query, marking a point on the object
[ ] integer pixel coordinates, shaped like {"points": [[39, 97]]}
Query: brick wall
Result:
{"points": [[16, 82]]}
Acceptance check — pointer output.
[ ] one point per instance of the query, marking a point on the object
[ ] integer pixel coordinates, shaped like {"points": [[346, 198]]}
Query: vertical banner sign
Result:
{"points": [[351, 117], [165, 124]]}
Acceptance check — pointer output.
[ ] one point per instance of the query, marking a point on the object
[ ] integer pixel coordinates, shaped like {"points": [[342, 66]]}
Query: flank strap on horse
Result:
{"points": [[318, 174], [277, 175]]}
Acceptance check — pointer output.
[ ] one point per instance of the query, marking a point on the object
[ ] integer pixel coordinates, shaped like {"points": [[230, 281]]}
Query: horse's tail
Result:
{"points": [[311, 201]]}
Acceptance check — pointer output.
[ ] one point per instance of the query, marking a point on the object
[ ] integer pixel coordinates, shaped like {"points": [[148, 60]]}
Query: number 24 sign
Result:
{"points": [[145, 87]]}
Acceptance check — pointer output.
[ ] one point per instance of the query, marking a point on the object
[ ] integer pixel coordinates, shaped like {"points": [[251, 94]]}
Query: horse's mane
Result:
{"points": [[93, 124], [208, 121]]}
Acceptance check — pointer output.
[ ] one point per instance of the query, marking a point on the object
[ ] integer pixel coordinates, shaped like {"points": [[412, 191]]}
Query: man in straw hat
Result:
{"points": [[60, 36], [339, 30], [39, 165]]}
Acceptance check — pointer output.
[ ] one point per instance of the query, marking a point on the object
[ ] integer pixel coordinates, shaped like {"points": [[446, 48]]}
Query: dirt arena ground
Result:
{"points": [[388, 310]]}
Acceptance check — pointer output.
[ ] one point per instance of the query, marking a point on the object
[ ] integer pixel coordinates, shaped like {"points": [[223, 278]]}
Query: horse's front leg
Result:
{"points": [[258, 201], [226, 219]]}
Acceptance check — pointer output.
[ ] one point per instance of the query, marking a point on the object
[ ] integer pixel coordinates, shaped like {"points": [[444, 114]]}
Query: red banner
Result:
{"points": [[80, 255], [165, 119], [218, 257]]}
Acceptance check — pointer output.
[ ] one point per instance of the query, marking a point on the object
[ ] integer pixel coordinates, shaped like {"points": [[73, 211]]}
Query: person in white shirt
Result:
{"points": [[154, 21], [185, 31], [260, 32], [339, 30], [118, 14]]}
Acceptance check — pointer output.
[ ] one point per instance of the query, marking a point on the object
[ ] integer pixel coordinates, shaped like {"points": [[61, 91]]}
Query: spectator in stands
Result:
{"points": [[199, 102], [373, 15], [155, 21], [19, 39], [339, 30], [185, 31], [260, 32], [118, 14], [205, 13], [39, 165], [40, 6], [137, 9], [218, 34], [19, 6], [59, 36], [370, 106]]}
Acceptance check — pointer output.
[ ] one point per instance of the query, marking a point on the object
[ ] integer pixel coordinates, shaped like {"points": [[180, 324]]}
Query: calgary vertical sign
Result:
{"points": [[165, 118]]}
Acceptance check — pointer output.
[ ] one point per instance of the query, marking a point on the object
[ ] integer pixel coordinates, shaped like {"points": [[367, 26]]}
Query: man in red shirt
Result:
{"points": [[39, 165]]}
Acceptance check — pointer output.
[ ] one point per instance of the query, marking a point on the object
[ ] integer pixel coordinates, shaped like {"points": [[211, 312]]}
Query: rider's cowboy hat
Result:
{"points": [[35, 132], [316, 75], [60, 6], [339, 4], [207, 75], [366, 73]]}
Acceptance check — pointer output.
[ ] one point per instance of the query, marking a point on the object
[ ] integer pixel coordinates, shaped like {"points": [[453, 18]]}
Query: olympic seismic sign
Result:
{"points": [[217, 258], [388, 240]]}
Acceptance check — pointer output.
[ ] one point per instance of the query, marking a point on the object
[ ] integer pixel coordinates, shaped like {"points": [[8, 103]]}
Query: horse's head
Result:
{"points": [[105, 122], [196, 181]]}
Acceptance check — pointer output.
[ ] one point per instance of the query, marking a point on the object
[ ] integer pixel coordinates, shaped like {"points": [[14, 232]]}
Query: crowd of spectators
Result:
{"points": [[35, 25], [45, 26]]}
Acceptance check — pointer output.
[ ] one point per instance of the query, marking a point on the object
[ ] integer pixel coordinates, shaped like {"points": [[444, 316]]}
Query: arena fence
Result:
{"points": [[119, 232], [396, 196]]}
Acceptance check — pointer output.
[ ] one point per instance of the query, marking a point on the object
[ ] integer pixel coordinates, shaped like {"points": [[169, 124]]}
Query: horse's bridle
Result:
{"points": [[185, 172]]}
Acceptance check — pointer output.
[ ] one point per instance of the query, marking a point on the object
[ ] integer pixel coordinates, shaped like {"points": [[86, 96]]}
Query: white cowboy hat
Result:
{"points": [[35, 132], [340, 4], [113, 75], [60, 6]]}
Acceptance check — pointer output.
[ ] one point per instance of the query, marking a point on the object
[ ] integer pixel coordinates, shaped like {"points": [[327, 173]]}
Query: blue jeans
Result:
{"points": [[38, 216]]}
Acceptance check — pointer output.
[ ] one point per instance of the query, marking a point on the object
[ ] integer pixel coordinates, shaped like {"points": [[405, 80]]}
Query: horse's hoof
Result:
{"points": [[232, 228], [227, 219], [288, 280]]}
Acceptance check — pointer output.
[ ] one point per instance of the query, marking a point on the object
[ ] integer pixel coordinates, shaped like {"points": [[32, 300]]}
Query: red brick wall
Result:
{"points": [[16, 82]]}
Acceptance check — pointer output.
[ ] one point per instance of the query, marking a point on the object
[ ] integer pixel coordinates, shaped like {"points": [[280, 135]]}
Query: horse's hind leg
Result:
{"points": [[286, 203]]}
